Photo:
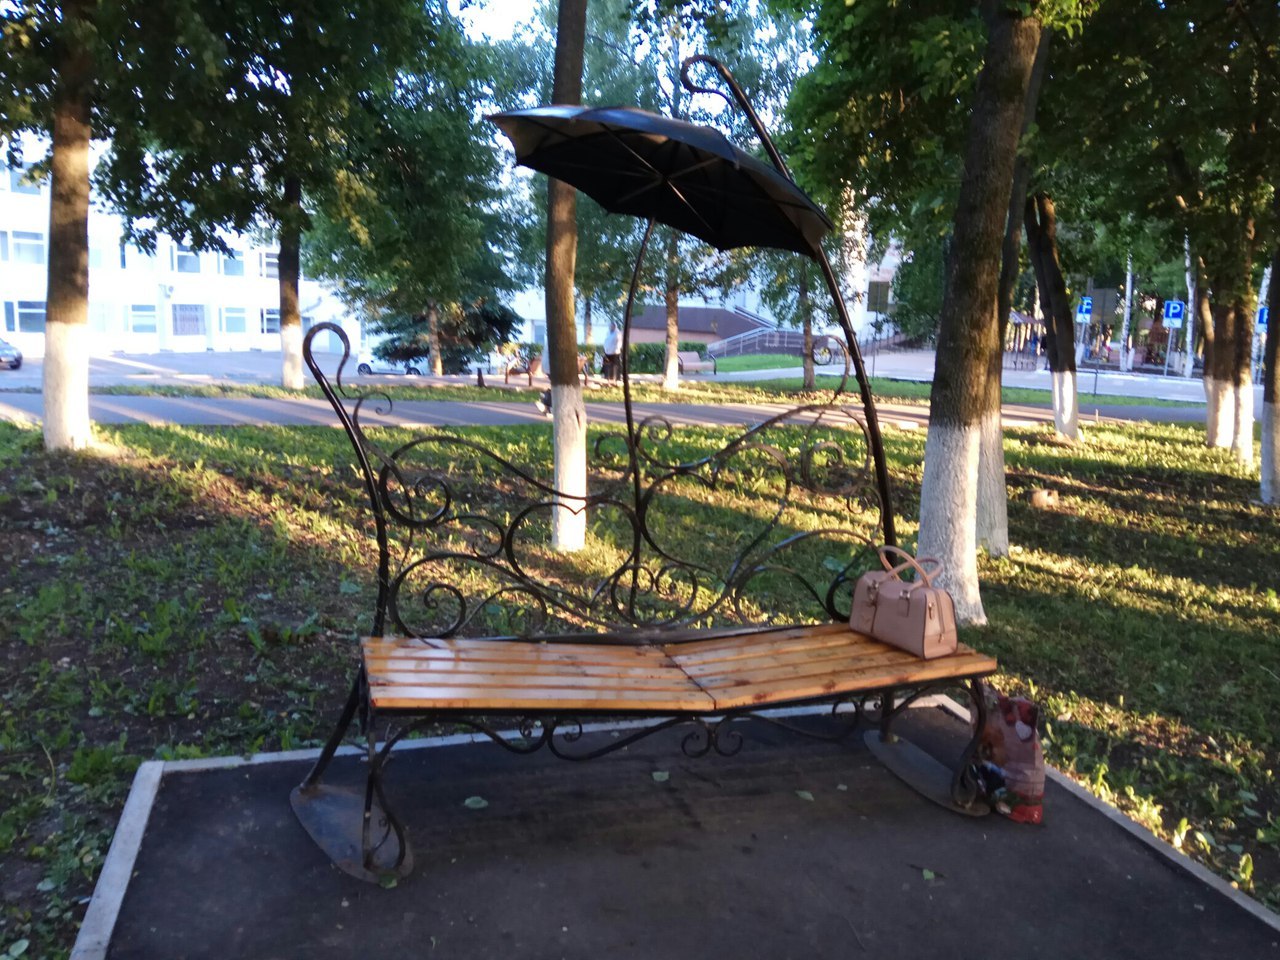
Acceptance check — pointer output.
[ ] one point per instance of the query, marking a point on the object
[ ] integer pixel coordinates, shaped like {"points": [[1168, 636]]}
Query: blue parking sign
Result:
{"points": [[1084, 310], [1174, 313], [1262, 317]]}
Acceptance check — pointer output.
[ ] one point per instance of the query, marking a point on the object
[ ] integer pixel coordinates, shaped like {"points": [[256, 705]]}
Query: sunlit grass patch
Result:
{"points": [[200, 592]]}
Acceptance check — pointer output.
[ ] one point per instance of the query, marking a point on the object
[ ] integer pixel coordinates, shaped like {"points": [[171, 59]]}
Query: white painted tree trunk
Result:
{"points": [[1126, 355], [948, 513], [1242, 428], [1066, 411], [1220, 412], [569, 432], [291, 356], [66, 387], [671, 369], [992, 518], [1270, 454]]}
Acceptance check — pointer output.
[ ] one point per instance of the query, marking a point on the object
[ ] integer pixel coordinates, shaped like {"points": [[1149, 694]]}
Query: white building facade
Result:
{"points": [[175, 300]]}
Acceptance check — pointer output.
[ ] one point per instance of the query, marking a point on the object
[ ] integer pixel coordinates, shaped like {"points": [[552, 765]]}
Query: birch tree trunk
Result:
{"points": [[968, 332], [289, 272], [586, 321], [568, 413], [66, 359], [1271, 392]]}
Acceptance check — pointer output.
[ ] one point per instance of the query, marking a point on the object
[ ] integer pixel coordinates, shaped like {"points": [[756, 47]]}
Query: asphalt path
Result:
{"points": [[248, 411]]}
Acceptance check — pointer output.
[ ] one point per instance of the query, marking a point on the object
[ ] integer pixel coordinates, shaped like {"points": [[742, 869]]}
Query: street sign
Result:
{"points": [[1084, 309], [1174, 313], [1262, 317]]}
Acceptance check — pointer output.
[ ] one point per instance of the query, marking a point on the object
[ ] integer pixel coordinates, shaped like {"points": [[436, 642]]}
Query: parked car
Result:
{"points": [[10, 356], [367, 364]]}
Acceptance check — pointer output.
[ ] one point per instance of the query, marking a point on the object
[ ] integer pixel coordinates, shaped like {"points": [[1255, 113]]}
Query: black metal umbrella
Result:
{"points": [[687, 176]]}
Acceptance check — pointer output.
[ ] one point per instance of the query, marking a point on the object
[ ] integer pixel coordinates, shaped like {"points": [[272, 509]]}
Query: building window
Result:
{"points": [[142, 318], [878, 297], [270, 320], [4, 244], [234, 319], [185, 260], [232, 265], [19, 183], [271, 265], [28, 247], [9, 325], [30, 316], [188, 320]]}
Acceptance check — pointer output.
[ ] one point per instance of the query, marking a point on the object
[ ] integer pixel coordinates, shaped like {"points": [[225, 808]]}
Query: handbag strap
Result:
{"points": [[916, 563]]}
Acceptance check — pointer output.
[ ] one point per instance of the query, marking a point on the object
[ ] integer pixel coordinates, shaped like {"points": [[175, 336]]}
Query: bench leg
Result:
{"points": [[353, 826], [954, 788], [339, 732]]}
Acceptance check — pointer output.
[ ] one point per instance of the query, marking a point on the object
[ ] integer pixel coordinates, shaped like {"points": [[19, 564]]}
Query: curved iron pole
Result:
{"points": [[864, 386]]}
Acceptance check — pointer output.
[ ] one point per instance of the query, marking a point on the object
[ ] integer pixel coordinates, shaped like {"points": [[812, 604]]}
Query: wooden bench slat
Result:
{"points": [[850, 664], [484, 681], [721, 673], [515, 652], [690, 700], [811, 687], [424, 666], [813, 633], [829, 647]]}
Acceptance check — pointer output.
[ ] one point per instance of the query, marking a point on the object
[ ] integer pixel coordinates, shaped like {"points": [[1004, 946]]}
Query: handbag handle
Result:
{"points": [[917, 563]]}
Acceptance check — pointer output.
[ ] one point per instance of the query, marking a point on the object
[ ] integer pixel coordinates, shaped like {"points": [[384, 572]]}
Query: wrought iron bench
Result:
{"points": [[715, 582]]}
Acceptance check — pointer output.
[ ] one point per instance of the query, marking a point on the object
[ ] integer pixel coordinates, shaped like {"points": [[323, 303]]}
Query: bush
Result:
{"points": [[648, 357]]}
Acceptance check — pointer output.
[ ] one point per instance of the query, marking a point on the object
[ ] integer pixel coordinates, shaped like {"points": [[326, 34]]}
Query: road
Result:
{"points": [[251, 367], [245, 411]]}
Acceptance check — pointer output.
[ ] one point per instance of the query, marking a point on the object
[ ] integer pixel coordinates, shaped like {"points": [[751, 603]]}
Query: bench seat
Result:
{"points": [[726, 672]]}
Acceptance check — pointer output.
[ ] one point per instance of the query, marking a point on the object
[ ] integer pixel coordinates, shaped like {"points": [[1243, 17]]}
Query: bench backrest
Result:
{"points": [[688, 528]]}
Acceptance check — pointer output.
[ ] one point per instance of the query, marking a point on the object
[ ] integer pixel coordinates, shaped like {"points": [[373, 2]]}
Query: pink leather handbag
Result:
{"points": [[915, 616]]}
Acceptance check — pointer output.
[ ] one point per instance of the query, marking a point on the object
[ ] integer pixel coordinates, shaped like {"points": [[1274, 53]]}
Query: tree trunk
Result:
{"points": [[1271, 391], [1041, 223], [671, 369], [290, 270], [992, 528], [806, 321], [568, 413], [968, 333], [586, 321], [433, 338], [1246, 306], [1126, 355], [1221, 412], [66, 359]]}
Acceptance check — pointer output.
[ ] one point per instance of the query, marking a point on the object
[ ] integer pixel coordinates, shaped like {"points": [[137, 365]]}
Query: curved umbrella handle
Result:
{"points": [[741, 99]]}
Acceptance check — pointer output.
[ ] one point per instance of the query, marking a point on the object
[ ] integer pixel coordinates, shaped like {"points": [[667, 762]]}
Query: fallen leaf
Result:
{"points": [[804, 794], [475, 803], [660, 776]]}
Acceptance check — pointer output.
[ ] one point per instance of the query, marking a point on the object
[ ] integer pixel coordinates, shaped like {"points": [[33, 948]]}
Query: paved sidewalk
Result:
{"points": [[790, 849]]}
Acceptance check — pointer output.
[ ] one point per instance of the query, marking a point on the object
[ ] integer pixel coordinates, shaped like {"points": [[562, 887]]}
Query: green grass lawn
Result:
{"points": [[197, 592], [691, 391], [757, 361]]}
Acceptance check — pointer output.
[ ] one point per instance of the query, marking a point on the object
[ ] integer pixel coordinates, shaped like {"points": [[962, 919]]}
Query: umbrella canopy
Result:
{"points": [[687, 176]]}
